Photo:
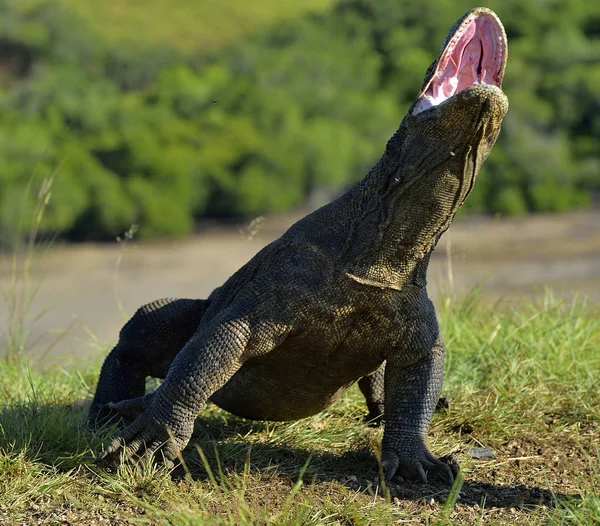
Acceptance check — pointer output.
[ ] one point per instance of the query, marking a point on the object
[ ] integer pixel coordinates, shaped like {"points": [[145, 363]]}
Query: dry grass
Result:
{"points": [[523, 383]]}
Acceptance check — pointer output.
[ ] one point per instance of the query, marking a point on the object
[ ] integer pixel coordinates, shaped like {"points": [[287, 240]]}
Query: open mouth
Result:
{"points": [[476, 54]]}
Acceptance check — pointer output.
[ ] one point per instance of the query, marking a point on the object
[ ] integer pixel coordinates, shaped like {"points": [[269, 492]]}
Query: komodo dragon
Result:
{"points": [[340, 297]]}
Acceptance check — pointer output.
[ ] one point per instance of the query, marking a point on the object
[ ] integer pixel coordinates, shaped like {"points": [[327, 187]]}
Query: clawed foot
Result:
{"points": [[156, 435], [421, 467]]}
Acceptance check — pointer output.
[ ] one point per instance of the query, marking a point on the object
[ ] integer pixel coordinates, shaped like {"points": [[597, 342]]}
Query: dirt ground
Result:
{"points": [[82, 285]]}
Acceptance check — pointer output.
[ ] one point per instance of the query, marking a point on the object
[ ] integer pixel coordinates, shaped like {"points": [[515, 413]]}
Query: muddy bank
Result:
{"points": [[84, 286]]}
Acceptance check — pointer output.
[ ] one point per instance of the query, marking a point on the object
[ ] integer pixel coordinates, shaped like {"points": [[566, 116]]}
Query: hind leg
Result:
{"points": [[372, 387], [148, 344]]}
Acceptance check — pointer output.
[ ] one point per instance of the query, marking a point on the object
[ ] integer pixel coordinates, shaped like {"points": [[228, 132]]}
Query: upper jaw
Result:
{"points": [[475, 52]]}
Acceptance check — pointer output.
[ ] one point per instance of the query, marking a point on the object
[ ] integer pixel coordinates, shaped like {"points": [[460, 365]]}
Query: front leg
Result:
{"points": [[413, 383], [210, 358]]}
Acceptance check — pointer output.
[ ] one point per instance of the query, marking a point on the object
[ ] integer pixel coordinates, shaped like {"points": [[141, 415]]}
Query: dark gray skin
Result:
{"points": [[340, 297]]}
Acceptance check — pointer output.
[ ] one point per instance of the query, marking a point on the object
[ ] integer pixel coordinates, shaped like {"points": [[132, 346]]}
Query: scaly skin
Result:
{"points": [[340, 297]]}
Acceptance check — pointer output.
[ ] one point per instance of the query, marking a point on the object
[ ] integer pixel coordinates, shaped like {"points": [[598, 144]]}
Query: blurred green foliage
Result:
{"points": [[153, 123]]}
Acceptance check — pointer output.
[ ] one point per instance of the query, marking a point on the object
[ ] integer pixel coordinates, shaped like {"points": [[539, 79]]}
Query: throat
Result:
{"points": [[392, 248], [480, 65]]}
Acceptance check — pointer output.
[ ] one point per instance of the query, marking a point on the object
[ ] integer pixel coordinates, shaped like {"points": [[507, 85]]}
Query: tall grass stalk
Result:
{"points": [[23, 288], [124, 243]]}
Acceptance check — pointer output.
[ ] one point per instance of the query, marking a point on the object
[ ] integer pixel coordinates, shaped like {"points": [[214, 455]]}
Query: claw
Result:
{"points": [[421, 473], [444, 473], [455, 468], [412, 469], [390, 463], [419, 469], [112, 447], [452, 468]]}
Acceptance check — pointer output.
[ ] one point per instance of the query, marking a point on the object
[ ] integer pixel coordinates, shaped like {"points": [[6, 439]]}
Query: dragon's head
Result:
{"points": [[455, 121], [472, 60], [431, 163]]}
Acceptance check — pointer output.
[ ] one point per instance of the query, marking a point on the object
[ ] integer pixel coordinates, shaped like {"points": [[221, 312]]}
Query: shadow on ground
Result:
{"points": [[56, 435], [46, 432], [224, 446]]}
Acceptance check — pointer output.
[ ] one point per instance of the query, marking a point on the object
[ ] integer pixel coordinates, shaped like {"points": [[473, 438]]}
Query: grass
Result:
{"points": [[189, 26], [523, 383], [27, 250]]}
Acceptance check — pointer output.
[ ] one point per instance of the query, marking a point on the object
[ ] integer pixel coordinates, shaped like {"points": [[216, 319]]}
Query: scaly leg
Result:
{"points": [[148, 344], [412, 389], [208, 360], [372, 387]]}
